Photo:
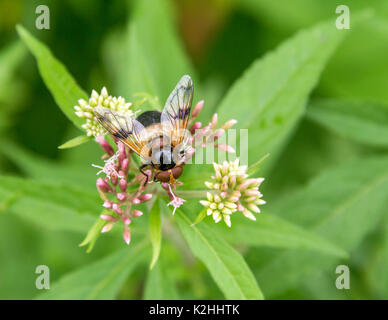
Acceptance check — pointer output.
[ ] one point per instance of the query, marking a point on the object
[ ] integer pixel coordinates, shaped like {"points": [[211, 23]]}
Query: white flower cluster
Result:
{"points": [[232, 191], [85, 110]]}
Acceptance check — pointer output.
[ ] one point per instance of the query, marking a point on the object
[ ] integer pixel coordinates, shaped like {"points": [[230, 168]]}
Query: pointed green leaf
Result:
{"points": [[159, 285], [58, 80], [225, 264], [99, 280], [92, 235], [361, 121], [272, 231], [343, 205], [271, 95], [155, 231], [75, 142]]}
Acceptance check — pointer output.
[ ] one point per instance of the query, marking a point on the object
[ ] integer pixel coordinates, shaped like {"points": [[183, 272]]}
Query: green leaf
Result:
{"points": [[55, 206], [75, 142], [159, 285], [364, 122], [202, 215], [58, 80], [271, 231], [343, 205], [254, 168], [44, 169], [92, 235], [10, 58], [271, 95], [225, 264], [155, 231], [99, 280], [150, 57]]}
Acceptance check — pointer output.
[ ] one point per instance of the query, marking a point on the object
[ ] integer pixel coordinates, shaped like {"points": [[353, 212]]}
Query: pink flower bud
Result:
{"points": [[121, 148], [103, 185], [137, 213], [197, 109], [225, 147], [214, 121], [127, 235], [107, 227], [126, 221], [107, 205], [145, 197], [195, 126], [245, 184], [125, 165], [218, 134], [251, 192], [135, 201], [105, 145], [123, 185], [121, 196], [227, 125], [114, 179], [116, 208], [107, 217]]}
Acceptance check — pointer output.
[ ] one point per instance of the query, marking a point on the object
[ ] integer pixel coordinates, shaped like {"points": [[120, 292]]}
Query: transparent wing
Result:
{"points": [[176, 112], [123, 127]]}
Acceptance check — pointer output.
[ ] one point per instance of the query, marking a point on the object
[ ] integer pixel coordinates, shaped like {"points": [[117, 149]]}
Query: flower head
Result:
{"points": [[84, 109], [232, 191]]}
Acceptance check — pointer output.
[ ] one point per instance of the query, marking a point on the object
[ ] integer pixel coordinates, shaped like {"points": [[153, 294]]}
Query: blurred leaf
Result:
{"points": [[58, 80], [363, 122], [343, 205], [271, 95], [99, 280], [55, 206], [159, 285], [162, 48], [92, 235], [269, 230], [354, 71], [226, 265], [377, 268], [155, 231], [254, 168], [44, 169], [75, 142], [154, 59], [10, 58]]}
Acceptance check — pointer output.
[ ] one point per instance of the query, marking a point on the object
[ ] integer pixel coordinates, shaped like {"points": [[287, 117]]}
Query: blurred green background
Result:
{"points": [[222, 38]]}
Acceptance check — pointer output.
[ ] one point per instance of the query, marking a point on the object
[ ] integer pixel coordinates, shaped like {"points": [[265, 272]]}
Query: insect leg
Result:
{"points": [[146, 175]]}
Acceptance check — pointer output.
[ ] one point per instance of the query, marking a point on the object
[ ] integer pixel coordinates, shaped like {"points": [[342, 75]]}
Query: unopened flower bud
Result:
{"points": [[137, 213], [124, 165], [126, 221], [197, 109], [145, 197], [107, 217], [127, 235], [103, 185], [123, 185], [116, 208], [195, 126], [229, 124], [107, 227], [121, 196], [107, 204]]}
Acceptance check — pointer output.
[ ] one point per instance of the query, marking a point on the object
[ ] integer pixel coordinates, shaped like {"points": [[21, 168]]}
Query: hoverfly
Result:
{"points": [[158, 137]]}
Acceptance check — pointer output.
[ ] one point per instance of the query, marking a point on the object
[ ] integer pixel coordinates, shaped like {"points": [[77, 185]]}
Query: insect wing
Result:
{"points": [[176, 112], [123, 127]]}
